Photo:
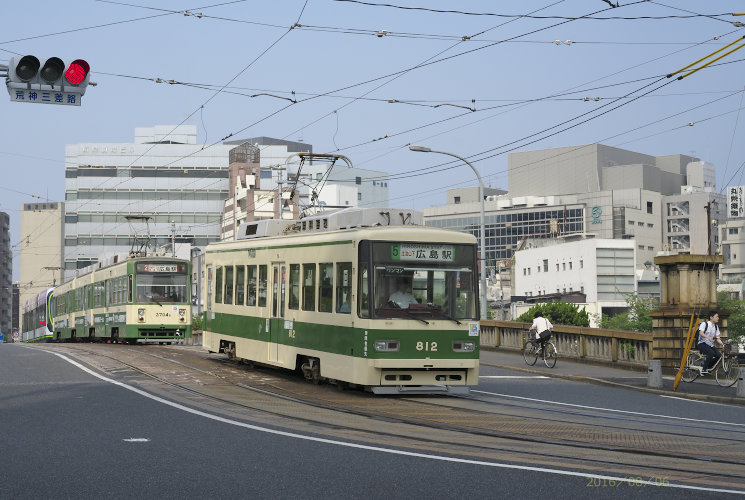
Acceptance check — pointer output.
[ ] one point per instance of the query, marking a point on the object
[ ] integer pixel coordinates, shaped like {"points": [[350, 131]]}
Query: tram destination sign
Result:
{"points": [[422, 252], [158, 268]]}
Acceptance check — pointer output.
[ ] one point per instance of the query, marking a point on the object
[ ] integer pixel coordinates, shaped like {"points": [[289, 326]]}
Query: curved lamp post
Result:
{"points": [[482, 277]]}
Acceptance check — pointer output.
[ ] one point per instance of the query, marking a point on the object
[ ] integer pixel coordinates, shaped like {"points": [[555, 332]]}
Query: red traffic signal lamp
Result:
{"points": [[53, 82], [77, 71]]}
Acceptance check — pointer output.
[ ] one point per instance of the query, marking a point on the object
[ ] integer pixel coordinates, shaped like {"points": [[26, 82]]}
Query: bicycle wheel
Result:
{"points": [[689, 372], [549, 354], [727, 371], [530, 353]]}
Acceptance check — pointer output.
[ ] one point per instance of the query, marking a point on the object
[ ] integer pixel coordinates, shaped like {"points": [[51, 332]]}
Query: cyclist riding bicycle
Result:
{"points": [[707, 333], [542, 328]]}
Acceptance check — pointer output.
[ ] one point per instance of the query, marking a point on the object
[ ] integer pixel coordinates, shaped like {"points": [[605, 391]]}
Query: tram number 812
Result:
{"points": [[426, 346]]}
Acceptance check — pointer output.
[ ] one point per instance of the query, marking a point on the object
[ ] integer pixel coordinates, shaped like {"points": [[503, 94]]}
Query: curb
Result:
{"points": [[600, 381]]}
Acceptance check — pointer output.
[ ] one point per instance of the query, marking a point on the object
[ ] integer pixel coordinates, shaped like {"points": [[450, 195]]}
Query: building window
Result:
{"points": [[358, 180], [525, 272], [581, 289], [631, 223], [640, 224], [649, 207], [641, 247], [563, 266], [581, 264], [557, 268], [528, 271], [570, 265], [650, 248], [545, 265], [456, 200], [359, 196], [732, 230], [650, 225]]}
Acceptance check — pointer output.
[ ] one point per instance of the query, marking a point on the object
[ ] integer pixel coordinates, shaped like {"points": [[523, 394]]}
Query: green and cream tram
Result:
{"points": [[316, 296], [143, 298]]}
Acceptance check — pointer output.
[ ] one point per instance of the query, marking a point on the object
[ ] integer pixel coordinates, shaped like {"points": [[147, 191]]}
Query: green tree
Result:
{"points": [[636, 319], [197, 323], [736, 320], [558, 313]]}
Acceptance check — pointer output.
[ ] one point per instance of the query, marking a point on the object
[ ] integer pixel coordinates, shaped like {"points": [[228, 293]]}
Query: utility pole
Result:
{"points": [[708, 226], [173, 238]]}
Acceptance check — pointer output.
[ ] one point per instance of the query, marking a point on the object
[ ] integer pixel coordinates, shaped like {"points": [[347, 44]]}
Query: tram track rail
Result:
{"points": [[471, 426]]}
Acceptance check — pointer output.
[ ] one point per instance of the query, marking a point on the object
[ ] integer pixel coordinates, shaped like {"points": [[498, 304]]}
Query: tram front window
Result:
{"points": [[416, 280], [161, 288]]}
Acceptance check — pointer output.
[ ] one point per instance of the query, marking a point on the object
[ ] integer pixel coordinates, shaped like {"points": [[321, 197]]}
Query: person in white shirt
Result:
{"points": [[708, 332], [402, 297], [542, 328]]}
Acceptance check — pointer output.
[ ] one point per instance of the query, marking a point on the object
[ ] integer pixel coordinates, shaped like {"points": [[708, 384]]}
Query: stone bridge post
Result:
{"points": [[688, 287]]}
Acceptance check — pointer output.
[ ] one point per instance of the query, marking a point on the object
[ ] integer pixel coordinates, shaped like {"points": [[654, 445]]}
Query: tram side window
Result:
{"points": [[294, 286], [252, 278], [240, 284], [218, 285], [98, 299], [325, 287], [309, 287], [228, 284], [343, 287], [262, 285]]}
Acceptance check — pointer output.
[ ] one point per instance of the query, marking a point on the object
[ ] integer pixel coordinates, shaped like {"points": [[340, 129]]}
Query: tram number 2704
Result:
{"points": [[426, 346]]}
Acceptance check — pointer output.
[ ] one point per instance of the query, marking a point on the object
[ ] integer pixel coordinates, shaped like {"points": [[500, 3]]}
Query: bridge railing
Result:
{"points": [[611, 346]]}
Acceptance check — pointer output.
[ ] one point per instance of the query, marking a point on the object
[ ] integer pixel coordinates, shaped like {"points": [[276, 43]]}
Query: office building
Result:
{"points": [[595, 189], [40, 250], [142, 195]]}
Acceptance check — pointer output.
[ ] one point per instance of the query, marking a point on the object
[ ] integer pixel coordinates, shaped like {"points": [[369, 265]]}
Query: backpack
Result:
{"points": [[695, 336]]}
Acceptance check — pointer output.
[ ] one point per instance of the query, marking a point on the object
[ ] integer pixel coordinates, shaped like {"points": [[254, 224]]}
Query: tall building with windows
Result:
{"points": [[162, 187], [40, 248], [6, 275], [596, 189]]}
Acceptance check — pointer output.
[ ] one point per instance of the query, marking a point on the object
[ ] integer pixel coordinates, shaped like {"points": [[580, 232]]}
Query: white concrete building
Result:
{"points": [[164, 175], [601, 269]]}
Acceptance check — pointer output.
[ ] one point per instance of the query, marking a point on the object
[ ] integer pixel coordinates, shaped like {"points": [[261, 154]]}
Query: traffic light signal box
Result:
{"points": [[53, 82]]}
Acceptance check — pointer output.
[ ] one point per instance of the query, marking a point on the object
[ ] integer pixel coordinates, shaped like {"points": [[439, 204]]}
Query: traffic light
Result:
{"points": [[54, 82]]}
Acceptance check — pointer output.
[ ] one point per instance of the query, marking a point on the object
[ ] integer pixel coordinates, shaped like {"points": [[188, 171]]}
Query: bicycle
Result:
{"points": [[532, 350], [725, 369]]}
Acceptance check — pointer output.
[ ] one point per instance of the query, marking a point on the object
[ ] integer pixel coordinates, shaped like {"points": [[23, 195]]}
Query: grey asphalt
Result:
{"points": [[703, 388]]}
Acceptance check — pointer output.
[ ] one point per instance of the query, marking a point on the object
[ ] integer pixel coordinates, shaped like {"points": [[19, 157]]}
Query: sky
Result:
{"points": [[372, 77]]}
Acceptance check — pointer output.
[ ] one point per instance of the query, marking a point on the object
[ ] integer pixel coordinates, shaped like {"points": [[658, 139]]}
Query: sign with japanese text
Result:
{"points": [[735, 202], [422, 252], [45, 96], [160, 268]]}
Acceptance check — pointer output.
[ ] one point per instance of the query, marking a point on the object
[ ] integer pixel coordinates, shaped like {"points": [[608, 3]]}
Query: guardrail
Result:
{"points": [[610, 346]]}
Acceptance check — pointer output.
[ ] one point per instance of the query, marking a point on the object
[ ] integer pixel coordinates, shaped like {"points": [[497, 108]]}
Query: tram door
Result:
{"points": [[277, 321]]}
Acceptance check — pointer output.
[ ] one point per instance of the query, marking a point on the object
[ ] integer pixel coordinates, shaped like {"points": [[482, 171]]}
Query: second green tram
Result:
{"points": [[138, 299]]}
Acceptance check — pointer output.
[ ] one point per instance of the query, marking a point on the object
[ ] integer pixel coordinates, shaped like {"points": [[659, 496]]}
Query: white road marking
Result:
{"points": [[377, 448], [608, 409], [513, 376], [699, 401], [136, 440]]}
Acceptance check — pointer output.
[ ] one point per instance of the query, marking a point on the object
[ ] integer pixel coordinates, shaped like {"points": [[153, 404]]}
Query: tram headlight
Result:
{"points": [[387, 345], [182, 313], [460, 346], [141, 314]]}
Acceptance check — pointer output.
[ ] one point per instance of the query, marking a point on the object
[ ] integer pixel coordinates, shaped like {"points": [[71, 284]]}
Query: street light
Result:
{"points": [[482, 277]]}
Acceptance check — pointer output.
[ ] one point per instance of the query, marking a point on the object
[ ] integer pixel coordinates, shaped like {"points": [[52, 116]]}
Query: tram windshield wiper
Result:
{"points": [[414, 316]]}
